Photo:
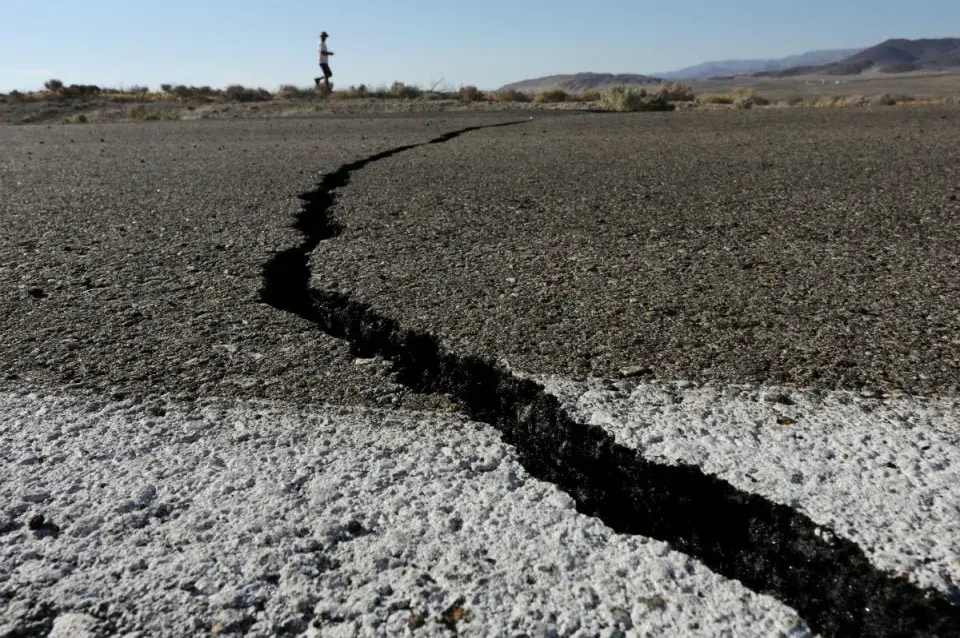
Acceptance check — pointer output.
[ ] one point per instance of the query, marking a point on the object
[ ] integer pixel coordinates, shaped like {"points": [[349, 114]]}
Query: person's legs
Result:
{"points": [[327, 73]]}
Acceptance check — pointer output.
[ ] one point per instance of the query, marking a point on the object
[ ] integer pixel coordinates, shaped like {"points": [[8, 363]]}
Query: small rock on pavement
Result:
{"points": [[74, 626], [635, 371]]}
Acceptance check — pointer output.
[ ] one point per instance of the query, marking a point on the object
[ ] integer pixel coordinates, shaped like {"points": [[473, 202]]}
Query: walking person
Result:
{"points": [[324, 62]]}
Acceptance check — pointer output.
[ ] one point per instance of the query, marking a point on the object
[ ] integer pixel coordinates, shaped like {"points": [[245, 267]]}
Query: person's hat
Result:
{"points": [[324, 34]]}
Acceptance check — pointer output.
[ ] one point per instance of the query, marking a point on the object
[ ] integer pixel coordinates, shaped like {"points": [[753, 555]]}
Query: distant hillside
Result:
{"points": [[578, 82], [892, 56], [746, 67]]}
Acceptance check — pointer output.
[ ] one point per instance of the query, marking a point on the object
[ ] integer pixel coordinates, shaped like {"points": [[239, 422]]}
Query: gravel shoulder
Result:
{"points": [[805, 247]]}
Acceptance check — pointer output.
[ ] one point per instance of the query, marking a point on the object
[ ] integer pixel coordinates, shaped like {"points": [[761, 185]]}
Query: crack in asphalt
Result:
{"points": [[769, 547]]}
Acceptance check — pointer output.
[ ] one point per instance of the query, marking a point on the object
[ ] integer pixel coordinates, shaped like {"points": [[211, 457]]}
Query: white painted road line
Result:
{"points": [[882, 472], [185, 519]]}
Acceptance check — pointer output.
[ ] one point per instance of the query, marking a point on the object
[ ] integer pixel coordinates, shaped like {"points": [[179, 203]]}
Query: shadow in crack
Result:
{"points": [[771, 548]]}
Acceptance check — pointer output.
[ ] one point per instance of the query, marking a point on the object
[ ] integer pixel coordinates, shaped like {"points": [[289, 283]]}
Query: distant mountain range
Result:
{"points": [[746, 67], [891, 56]]}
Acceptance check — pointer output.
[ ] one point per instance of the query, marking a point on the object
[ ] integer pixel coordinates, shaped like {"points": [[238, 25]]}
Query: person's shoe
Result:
{"points": [[316, 82]]}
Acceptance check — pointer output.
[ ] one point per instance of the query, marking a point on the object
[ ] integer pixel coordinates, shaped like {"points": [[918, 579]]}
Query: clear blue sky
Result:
{"points": [[485, 42]]}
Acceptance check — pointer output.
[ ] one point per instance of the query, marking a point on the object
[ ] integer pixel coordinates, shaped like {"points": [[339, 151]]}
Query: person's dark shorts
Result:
{"points": [[326, 69]]}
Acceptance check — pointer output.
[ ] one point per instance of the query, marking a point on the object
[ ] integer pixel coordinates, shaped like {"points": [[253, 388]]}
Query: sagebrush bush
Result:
{"points": [[740, 98], [53, 86], [885, 100], [404, 91], [240, 93], [748, 98], [291, 92], [716, 98], [625, 99], [510, 95], [551, 96], [830, 101], [677, 92], [469, 94], [590, 95], [161, 114], [136, 112], [184, 92], [80, 90]]}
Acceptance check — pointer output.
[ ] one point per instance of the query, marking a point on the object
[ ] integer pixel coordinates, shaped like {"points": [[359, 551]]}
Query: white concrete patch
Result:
{"points": [[180, 520], [882, 472]]}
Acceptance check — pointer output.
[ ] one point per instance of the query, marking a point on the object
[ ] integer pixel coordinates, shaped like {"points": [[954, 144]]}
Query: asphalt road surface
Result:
{"points": [[716, 391]]}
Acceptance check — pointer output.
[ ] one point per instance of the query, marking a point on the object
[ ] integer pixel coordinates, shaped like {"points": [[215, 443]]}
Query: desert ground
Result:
{"points": [[485, 372], [117, 105], [922, 85]]}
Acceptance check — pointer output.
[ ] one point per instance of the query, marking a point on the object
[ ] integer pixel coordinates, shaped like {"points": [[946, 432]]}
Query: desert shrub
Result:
{"points": [[184, 92], [590, 95], [77, 119], [885, 100], [404, 91], [136, 112], [291, 92], [469, 94], [240, 93], [161, 114], [740, 98], [166, 88], [748, 98], [80, 90], [677, 92], [551, 96], [829, 101], [855, 100], [54, 86], [792, 100], [903, 98], [510, 95], [625, 99], [136, 88], [716, 98], [15, 96]]}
